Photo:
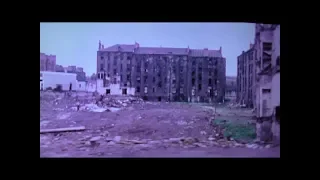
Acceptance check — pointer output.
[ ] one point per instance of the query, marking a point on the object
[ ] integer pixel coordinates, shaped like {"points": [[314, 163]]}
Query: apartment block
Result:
{"points": [[47, 62], [246, 77], [165, 74]]}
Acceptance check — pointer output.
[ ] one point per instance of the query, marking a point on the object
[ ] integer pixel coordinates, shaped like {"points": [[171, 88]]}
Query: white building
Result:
{"points": [[103, 85], [67, 81]]}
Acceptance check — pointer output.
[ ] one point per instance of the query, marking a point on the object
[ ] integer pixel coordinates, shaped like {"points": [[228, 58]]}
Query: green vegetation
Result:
{"points": [[237, 131]]}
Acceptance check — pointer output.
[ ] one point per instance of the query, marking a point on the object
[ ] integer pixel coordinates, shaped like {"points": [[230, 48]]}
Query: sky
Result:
{"points": [[77, 43]]}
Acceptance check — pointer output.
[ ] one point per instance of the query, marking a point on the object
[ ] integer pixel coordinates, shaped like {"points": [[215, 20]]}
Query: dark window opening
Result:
{"points": [[200, 69], [145, 79], [124, 91], [153, 79], [215, 82], [193, 63], [114, 80], [108, 91], [159, 74], [128, 58], [266, 91], [278, 61], [108, 75], [215, 72], [199, 87], [200, 77], [138, 69], [210, 82], [211, 93], [153, 89], [173, 81], [128, 77], [125, 85], [193, 81], [138, 89], [101, 57], [145, 98], [159, 84], [267, 46], [114, 71], [138, 81], [121, 67], [277, 113], [210, 73], [101, 67], [159, 98], [193, 73]]}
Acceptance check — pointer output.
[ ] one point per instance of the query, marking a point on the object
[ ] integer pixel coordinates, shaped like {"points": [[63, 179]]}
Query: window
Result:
{"points": [[153, 89], [267, 46], [114, 80], [199, 87], [193, 81], [138, 89], [114, 71], [101, 67], [101, 57], [210, 82], [173, 81], [193, 73], [278, 61]]}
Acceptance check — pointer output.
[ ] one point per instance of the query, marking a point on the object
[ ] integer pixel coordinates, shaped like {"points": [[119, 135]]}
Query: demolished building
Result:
{"points": [[164, 74], [267, 47]]}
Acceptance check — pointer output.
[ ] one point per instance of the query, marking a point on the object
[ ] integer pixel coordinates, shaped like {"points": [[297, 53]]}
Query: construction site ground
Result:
{"points": [[139, 128]]}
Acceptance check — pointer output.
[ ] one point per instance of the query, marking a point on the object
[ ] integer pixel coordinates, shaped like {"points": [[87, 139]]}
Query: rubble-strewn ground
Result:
{"points": [[133, 128]]}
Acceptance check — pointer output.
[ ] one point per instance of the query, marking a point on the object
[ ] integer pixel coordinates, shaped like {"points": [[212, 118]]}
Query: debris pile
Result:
{"points": [[121, 102]]}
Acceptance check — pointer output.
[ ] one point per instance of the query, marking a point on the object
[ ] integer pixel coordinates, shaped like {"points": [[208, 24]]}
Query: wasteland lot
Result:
{"points": [[125, 126]]}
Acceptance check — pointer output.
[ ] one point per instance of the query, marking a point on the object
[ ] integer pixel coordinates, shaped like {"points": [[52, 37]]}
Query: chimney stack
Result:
{"points": [[136, 45], [102, 46], [220, 49], [206, 52], [99, 44]]}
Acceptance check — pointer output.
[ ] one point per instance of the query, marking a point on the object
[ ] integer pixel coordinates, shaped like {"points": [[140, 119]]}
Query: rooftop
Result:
{"points": [[162, 50]]}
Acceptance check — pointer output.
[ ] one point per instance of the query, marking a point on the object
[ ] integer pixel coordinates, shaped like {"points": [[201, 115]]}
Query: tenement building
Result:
{"points": [[47, 62], [165, 74], [246, 77]]}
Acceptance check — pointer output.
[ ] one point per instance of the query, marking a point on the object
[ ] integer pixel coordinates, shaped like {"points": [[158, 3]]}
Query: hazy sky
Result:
{"points": [[77, 43]]}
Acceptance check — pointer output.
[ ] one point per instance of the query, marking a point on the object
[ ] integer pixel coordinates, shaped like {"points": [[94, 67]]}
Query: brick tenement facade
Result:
{"points": [[47, 62], [246, 77], [166, 74]]}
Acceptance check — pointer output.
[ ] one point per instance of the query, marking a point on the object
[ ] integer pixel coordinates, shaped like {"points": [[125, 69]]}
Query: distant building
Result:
{"points": [[53, 80], [60, 68], [47, 62]]}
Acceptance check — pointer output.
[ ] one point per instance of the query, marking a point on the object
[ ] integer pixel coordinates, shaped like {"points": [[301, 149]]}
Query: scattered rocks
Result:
{"points": [[211, 138], [117, 139], [252, 146], [94, 139], [203, 132], [200, 145]]}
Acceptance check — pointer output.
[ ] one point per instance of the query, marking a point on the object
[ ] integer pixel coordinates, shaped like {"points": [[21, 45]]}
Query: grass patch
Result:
{"points": [[237, 131]]}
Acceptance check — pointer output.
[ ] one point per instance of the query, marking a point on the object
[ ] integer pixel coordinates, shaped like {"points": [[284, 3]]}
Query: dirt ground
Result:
{"points": [[140, 129]]}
